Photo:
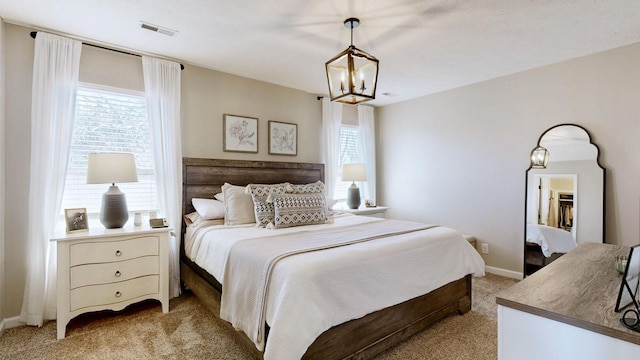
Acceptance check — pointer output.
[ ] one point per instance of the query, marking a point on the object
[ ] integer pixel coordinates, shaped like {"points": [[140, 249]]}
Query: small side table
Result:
{"points": [[109, 269], [376, 211]]}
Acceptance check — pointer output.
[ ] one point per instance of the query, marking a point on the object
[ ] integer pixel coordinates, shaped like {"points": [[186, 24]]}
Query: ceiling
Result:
{"points": [[423, 46]]}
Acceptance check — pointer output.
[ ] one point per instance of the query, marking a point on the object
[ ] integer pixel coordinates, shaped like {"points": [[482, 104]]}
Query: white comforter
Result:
{"points": [[312, 292], [551, 240]]}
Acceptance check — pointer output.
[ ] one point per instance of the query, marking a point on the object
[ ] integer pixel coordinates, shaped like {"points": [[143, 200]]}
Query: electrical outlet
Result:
{"points": [[485, 248]]}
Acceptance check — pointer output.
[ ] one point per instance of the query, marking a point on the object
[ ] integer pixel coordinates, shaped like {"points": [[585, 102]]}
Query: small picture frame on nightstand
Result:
{"points": [[76, 220]]}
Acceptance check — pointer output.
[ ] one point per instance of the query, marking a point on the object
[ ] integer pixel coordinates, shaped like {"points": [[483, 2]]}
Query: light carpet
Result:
{"points": [[190, 331]]}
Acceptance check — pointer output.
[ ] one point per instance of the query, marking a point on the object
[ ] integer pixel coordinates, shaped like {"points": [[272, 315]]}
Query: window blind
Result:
{"points": [[110, 121], [349, 153]]}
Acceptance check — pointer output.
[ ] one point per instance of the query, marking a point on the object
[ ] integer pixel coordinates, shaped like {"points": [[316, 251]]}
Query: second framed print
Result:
{"points": [[283, 138], [240, 133]]}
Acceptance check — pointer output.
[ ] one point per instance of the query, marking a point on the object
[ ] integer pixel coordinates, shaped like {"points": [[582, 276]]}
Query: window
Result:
{"points": [[349, 153], [110, 120]]}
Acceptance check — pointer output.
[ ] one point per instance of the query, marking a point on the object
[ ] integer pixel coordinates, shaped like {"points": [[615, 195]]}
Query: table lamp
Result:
{"points": [[353, 172], [105, 168]]}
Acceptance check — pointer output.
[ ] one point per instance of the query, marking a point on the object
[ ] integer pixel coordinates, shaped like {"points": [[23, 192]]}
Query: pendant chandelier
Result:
{"points": [[539, 158], [352, 74]]}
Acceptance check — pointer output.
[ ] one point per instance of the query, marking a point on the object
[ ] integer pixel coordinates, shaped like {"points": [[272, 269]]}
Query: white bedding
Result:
{"points": [[551, 240], [312, 292]]}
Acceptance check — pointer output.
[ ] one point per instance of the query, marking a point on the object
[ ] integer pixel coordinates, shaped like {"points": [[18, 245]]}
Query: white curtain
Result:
{"points": [[162, 89], [331, 123], [368, 144], [56, 66]]}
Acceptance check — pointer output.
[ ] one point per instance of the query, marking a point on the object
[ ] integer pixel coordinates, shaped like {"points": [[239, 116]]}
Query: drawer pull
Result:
{"points": [[118, 253], [117, 274], [118, 294]]}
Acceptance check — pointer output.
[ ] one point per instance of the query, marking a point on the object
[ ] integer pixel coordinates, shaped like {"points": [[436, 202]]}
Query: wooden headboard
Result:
{"points": [[202, 178]]}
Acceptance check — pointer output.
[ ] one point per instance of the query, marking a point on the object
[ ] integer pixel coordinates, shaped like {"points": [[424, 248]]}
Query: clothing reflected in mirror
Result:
{"points": [[556, 197]]}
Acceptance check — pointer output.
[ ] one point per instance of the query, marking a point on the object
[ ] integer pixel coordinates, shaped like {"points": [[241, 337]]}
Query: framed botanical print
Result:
{"points": [[240, 133], [283, 138]]}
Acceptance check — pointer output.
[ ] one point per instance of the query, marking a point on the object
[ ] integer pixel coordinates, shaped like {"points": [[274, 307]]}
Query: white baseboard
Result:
{"points": [[503, 272], [9, 323]]}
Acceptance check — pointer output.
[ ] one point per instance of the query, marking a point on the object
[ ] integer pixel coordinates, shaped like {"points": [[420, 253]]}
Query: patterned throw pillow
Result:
{"points": [[299, 209], [262, 196], [316, 187]]}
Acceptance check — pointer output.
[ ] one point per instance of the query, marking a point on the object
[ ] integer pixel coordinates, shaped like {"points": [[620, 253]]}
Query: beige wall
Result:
{"points": [[458, 158], [206, 96], [2, 171], [18, 65]]}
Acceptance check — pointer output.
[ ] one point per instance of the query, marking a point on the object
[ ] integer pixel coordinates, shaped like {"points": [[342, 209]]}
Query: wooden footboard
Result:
{"points": [[360, 338], [363, 338]]}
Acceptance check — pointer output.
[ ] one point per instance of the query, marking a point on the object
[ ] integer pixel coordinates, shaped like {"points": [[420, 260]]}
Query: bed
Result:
{"points": [[551, 240], [544, 245], [361, 337]]}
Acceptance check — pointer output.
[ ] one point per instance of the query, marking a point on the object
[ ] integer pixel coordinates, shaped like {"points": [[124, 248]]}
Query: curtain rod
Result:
{"points": [[33, 36]]}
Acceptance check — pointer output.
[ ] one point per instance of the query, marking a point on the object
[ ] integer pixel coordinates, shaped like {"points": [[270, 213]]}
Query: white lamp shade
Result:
{"points": [[111, 168], [353, 172]]}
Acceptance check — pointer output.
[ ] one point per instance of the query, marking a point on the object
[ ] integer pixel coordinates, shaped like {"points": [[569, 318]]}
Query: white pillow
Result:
{"points": [[238, 206], [209, 208], [219, 196]]}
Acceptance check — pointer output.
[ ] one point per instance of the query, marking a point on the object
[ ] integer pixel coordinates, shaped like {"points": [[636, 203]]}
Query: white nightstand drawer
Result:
{"points": [[109, 251], [95, 274], [99, 295]]}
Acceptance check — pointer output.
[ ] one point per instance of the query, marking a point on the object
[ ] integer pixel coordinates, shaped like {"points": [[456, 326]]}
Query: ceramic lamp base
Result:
{"points": [[353, 196], [114, 213]]}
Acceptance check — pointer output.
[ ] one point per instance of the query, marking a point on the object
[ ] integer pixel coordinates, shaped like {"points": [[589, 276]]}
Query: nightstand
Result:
{"points": [[109, 269], [376, 211], [471, 239]]}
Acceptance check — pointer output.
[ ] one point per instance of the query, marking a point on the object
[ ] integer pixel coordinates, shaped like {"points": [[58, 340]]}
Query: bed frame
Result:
{"points": [[356, 339], [535, 260]]}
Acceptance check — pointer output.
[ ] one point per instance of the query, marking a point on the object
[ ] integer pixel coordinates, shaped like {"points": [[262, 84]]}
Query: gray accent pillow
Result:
{"points": [[316, 187], [262, 197], [299, 209]]}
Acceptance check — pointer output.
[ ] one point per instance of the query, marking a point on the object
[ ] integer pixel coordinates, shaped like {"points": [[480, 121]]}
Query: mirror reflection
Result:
{"points": [[565, 196]]}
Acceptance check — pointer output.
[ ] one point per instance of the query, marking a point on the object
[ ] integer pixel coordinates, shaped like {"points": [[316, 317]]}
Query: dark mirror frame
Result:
{"points": [[526, 188]]}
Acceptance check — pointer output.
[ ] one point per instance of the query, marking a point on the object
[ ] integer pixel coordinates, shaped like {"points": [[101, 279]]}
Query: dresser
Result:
{"points": [[566, 310], [109, 269]]}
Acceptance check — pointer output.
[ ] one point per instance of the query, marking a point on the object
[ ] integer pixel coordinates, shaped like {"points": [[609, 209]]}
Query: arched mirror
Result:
{"points": [[564, 204]]}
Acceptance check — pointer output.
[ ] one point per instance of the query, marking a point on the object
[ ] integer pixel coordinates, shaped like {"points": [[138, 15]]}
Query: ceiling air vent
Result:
{"points": [[157, 29]]}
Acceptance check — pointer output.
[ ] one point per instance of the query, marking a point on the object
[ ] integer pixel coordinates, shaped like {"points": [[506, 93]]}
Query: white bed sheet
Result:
{"points": [[551, 240], [312, 292]]}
